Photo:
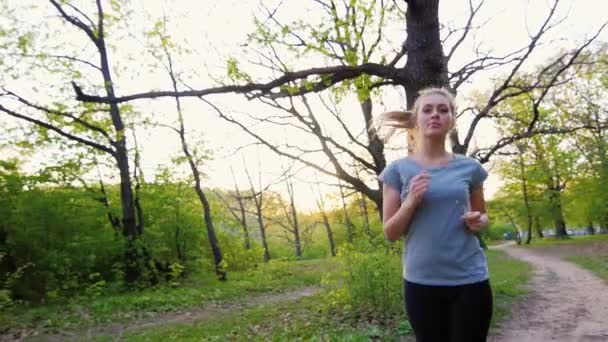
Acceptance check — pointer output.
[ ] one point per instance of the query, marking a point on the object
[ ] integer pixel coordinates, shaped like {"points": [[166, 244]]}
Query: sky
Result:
{"points": [[215, 31]]}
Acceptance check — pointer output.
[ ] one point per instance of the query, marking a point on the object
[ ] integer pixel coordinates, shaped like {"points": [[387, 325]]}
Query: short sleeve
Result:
{"points": [[390, 176], [479, 176]]}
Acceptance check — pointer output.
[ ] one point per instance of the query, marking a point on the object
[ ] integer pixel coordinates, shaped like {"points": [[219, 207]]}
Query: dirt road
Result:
{"points": [[565, 303]]}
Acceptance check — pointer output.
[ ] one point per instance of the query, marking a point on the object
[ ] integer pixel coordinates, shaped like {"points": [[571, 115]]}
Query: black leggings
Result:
{"points": [[449, 313]]}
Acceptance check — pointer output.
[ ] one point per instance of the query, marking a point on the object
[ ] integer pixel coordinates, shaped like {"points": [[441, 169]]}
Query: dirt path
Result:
{"points": [[195, 314], [566, 303]]}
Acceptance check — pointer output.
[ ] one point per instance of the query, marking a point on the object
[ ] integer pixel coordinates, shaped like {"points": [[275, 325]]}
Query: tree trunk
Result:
{"points": [[239, 198], [375, 148], [539, 230], [364, 212], [524, 189], [330, 235], [604, 225], [426, 64], [246, 239], [215, 247], [263, 234], [347, 221], [179, 246], [557, 213], [129, 224], [590, 229], [296, 225]]}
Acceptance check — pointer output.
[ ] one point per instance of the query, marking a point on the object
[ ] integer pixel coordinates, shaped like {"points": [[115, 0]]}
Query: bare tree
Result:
{"points": [[193, 160], [351, 44], [291, 217], [240, 213], [258, 200], [330, 234], [347, 222]]}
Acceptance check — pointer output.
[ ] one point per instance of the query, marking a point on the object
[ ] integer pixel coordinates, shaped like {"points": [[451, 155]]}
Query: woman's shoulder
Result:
{"points": [[466, 159], [399, 162], [402, 166]]}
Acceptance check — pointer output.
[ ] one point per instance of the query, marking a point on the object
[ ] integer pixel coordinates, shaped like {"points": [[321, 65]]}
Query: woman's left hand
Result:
{"points": [[475, 221]]}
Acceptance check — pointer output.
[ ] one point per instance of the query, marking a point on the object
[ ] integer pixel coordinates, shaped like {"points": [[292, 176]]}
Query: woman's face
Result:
{"points": [[434, 117]]}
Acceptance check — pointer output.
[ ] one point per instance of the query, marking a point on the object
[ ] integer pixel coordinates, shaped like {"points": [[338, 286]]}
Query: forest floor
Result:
{"points": [[563, 299], [115, 331]]}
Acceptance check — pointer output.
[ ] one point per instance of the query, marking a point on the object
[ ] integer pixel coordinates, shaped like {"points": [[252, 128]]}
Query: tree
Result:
{"points": [[241, 215], [552, 159], [347, 221], [101, 127], [258, 200], [330, 234], [292, 225], [524, 191], [585, 105], [355, 54], [192, 157]]}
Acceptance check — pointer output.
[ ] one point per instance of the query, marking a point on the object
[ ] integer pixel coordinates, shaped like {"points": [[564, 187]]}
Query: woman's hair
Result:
{"points": [[387, 123]]}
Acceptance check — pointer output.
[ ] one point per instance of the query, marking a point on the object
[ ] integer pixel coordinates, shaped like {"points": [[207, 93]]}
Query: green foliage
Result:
{"points": [[367, 284], [234, 73], [497, 231], [302, 320], [108, 305]]}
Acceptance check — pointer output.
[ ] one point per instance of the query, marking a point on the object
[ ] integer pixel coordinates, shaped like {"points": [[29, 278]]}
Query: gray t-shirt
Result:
{"points": [[438, 248]]}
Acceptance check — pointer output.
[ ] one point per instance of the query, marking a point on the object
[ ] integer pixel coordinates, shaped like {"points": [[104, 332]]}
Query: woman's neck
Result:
{"points": [[432, 149]]}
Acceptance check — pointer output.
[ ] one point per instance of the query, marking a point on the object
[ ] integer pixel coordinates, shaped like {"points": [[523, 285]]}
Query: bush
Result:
{"points": [[369, 284], [496, 231]]}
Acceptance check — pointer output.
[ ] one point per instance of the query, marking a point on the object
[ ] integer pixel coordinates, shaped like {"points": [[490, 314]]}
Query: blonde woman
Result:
{"points": [[434, 200]]}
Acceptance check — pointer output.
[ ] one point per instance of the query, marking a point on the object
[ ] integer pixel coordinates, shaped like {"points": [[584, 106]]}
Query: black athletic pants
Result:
{"points": [[449, 313]]}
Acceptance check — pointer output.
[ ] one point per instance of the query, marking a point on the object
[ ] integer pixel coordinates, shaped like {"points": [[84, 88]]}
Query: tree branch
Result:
{"points": [[332, 75], [57, 130]]}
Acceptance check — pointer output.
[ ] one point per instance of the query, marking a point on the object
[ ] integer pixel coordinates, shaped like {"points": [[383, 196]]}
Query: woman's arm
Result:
{"points": [[396, 215], [477, 219]]}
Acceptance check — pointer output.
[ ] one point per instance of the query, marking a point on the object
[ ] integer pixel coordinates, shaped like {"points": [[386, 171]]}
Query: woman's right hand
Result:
{"points": [[417, 188]]}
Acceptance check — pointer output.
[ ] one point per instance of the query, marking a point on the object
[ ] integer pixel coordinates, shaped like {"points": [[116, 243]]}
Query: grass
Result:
{"points": [[297, 320], [495, 242], [112, 307], [594, 259], [304, 320], [552, 241], [507, 276], [596, 264]]}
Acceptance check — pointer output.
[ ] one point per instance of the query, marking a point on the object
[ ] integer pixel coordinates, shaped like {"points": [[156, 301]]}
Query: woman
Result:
{"points": [[435, 200]]}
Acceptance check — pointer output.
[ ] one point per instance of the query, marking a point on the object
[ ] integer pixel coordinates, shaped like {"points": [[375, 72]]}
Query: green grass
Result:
{"points": [[108, 307], [507, 276], [596, 264], [297, 320], [552, 241], [495, 242], [304, 320]]}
